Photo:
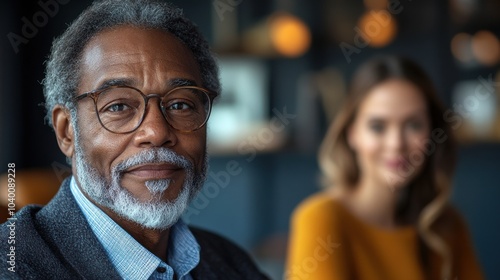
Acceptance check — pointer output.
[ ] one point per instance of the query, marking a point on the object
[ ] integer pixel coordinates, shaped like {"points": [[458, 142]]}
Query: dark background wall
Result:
{"points": [[254, 208]]}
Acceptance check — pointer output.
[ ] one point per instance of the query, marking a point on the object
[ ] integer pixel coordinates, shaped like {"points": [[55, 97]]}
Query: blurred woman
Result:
{"points": [[387, 161]]}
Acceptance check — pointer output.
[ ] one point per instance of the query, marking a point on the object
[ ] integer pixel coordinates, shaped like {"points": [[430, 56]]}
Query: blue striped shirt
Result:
{"points": [[130, 258]]}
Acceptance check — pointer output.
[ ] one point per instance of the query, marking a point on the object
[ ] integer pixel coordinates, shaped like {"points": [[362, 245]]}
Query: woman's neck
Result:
{"points": [[374, 203]]}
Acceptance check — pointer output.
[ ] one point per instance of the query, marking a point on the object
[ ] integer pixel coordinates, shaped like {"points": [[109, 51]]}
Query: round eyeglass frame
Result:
{"points": [[94, 95]]}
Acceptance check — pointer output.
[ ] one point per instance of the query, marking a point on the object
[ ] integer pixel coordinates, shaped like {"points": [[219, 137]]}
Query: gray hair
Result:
{"points": [[62, 72]]}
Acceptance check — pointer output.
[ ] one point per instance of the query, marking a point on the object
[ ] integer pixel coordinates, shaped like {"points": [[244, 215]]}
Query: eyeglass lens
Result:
{"points": [[122, 109]]}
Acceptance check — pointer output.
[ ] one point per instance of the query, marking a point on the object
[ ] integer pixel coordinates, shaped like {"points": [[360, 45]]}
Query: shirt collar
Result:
{"points": [[130, 258]]}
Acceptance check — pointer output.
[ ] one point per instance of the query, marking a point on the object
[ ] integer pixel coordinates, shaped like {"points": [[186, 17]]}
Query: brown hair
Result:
{"points": [[427, 194]]}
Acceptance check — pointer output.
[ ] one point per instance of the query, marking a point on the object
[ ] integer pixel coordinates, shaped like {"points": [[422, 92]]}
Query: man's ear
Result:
{"points": [[61, 120]]}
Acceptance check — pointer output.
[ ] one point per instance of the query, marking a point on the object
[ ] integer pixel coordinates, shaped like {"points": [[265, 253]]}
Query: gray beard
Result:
{"points": [[152, 214]]}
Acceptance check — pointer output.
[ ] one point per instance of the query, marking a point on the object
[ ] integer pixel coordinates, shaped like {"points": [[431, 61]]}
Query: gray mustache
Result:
{"points": [[153, 155]]}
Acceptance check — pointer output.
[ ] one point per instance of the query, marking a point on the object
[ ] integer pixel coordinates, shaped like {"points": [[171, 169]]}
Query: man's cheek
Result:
{"points": [[196, 148], [103, 153]]}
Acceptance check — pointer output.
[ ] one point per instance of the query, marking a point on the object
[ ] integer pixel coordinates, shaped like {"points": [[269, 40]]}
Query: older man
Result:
{"points": [[128, 89]]}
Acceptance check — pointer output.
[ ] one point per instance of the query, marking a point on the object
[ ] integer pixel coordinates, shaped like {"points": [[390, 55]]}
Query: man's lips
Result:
{"points": [[154, 171]]}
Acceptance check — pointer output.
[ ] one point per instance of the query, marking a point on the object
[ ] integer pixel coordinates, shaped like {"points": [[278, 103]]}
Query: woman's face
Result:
{"points": [[389, 132]]}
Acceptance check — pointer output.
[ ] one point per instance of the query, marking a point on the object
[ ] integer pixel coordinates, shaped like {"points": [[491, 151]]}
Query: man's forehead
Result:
{"points": [[127, 52], [122, 42]]}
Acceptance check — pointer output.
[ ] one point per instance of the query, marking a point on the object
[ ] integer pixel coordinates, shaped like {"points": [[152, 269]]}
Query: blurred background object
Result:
{"points": [[285, 65], [32, 186]]}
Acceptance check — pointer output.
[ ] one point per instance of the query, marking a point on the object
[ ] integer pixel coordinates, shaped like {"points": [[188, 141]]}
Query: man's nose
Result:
{"points": [[154, 130]]}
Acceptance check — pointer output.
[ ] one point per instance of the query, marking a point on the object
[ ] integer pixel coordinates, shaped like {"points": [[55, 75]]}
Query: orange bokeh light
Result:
{"points": [[289, 35], [486, 48], [378, 27]]}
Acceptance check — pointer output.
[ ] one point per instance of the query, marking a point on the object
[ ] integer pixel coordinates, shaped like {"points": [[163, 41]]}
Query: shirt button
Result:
{"points": [[161, 269]]}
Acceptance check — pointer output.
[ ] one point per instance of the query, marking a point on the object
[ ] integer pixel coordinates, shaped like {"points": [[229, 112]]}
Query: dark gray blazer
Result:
{"points": [[55, 242]]}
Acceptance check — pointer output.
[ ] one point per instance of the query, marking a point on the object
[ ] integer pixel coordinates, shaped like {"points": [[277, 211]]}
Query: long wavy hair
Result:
{"points": [[426, 196]]}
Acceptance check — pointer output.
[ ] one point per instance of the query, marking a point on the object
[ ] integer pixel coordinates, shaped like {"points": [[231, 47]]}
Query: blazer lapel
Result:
{"points": [[74, 238]]}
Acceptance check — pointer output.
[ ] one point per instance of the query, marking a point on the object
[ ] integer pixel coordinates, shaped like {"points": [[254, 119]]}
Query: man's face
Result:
{"points": [[152, 61]]}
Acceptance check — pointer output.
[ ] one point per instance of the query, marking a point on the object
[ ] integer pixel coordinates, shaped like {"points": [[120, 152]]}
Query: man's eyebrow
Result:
{"points": [[116, 82], [180, 82], [177, 82]]}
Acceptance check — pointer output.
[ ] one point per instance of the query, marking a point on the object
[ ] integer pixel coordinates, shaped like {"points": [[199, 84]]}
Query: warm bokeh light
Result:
{"points": [[289, 35], [461, 47], [376, 4], [486, 48], [378, 27]]}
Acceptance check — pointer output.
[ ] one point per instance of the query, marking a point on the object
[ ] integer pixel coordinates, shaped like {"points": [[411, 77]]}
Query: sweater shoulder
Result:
{"points": [[318, 207]]}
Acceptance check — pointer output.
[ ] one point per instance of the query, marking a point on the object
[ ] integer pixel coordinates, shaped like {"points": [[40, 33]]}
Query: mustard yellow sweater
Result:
{"points": [[328, 242]]}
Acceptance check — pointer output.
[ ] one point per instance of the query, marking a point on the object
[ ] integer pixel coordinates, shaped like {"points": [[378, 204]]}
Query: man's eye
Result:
{"points": [[179, 106], [118, 107]]}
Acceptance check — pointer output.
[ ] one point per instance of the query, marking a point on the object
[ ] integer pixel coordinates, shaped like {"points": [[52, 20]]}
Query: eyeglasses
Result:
{"points": [[121, 109]]}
